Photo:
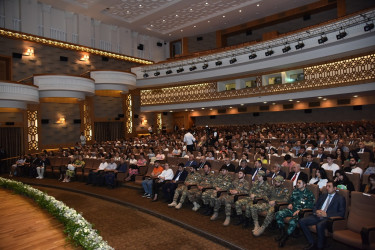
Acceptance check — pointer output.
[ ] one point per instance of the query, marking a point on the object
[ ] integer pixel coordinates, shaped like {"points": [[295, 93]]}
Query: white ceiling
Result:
{"points": [[173, 19]]}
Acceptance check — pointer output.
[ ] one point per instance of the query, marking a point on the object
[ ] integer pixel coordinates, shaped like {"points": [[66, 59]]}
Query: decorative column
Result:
{"points": [[159, 123], [32, 129], [87, 115], [128, 112]]}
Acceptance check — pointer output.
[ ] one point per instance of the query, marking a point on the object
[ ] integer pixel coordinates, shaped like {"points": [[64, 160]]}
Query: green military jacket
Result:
{"points": [[242, 186], [193, 178], [261, 190], [279, 194], [222, 182], [206, 180], [301, 199]]}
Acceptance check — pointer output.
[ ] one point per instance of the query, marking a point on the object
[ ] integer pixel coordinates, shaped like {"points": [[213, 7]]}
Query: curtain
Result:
{"points": [[11, 140], [108, 131]]}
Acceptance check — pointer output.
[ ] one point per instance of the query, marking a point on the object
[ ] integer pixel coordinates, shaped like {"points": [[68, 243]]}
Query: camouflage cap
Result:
{"points": [[261, 173], [279, 178]]}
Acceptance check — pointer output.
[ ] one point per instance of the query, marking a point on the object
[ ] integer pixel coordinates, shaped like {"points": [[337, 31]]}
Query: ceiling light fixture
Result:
{"points": [[300, 44], [218, 63], [156, 73], [342, 33], [145, 75], [192, 68], [322, 39], [168, 72], [233, 60], [286, 48], [205, 66], [252, 55], [181, 69], [269, 52], [368, 27]]}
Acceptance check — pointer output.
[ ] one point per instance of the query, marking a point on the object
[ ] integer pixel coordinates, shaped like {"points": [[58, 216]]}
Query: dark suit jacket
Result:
{"points": [[312, 166], [368, 151], [201, 164], [231, 167], [290, 176], [282, 173], [247, 169], [337, 206], [254, 169], [182, 176], [321, 158], [191, 163]]}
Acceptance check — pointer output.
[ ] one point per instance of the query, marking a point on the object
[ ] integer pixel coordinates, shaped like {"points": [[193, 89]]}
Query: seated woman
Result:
{"points": [[176, 152], [370, 187], [71, 171], [64, 168], [340, 156], [320, 178], [132, 159], [166, 175], [343, 181], [141, 162], [19, 163]]}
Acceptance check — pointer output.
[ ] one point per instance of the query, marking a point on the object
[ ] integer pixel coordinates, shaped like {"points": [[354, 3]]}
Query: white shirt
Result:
{"points": [[325, 202], [133, 161], [296, 178], [103, 166], [322, 182], [334, 167], [167, 174], [357, 170], [111, 166], [189, 138], [83, 139]]}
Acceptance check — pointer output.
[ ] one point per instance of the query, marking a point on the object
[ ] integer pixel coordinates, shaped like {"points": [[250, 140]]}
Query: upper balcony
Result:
{"points": [[17, 95]]}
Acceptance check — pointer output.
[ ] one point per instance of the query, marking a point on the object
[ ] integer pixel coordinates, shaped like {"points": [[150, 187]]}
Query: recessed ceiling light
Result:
{"points": [[240, 11], [324, 99], [264, 102], [355, 96], [290, 100], [230, 107], [192, 110], [152, 25], [176, 15], [210, 108], [242, 104], [191, 9], [319, 97], [182, 30], [223, 16], [206, 4], [127, 12], [298, 101], [171, 111], [208, 21], [169, 34], [186, 110], [258, 5], [202, 108], [273, 103], [163, 20], [140, 6], [194, 26]]}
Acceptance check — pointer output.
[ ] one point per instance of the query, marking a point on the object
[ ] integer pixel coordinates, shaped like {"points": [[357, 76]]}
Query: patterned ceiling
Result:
{"points": [[172, 19]]}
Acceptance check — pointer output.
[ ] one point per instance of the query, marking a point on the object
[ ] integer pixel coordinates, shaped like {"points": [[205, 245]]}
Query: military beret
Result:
{"points": [[279, 178], [261, 173]]}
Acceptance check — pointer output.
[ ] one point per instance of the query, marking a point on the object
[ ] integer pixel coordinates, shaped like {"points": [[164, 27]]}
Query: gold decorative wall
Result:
{"points": [[345, 72], [128, 105], [159, 122], [87, 113], [32, 129]]}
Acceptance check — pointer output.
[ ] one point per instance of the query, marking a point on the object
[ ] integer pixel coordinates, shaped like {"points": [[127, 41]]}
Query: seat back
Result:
{"points": [[329, 174], [289, 185], [346, 195], [306, 171], [314, 189], [361, 211], [355, 178]]}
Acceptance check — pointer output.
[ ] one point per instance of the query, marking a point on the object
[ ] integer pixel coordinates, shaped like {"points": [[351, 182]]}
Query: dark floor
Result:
{"points": [[131, 196]]}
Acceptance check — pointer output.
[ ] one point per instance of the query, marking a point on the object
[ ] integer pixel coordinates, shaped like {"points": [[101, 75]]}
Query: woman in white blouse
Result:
{"points": [[166, 175], [320, 178]]}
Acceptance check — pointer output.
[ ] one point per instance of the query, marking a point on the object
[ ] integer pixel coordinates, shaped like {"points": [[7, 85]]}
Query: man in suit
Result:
{"points": [[309, 163], [320, 154], [202, 162], [244, 167], [256, 169], [275, 171], [328, 205], [230, 167], [362, 149], [296, 174], [170, 187], [191, 162]]}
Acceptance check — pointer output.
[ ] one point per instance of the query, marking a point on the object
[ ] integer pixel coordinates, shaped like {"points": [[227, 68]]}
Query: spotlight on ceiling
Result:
{"points": [[205, 66], [322, 39], [286, 48], [193, 68], [145, 75], [368, 27], [168, 72], [233, 60], [156, 73], [341, 34], [218, 63], [269, 52], [300, 45], [252, 56], [180, 70]]}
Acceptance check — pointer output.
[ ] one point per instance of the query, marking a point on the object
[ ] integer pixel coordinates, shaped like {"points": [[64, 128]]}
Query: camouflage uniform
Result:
{"points": [[195, 194], [299, 200], [222, 182], [192, 179], [278, 194], [242, 186]]}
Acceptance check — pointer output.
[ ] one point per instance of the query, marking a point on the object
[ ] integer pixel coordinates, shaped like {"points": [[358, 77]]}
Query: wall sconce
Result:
{"points": [[29, 52], [85, 58], [61, 120], [144, 122]]}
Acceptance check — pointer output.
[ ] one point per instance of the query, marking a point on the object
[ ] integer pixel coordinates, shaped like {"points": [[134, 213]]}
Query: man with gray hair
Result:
{"points": [[275, 171]]}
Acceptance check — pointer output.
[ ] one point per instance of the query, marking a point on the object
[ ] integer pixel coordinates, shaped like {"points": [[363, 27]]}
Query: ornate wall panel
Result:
{"points": [[159, 122], [341, 73], [87, 112], [32, 129], [128, 105]]}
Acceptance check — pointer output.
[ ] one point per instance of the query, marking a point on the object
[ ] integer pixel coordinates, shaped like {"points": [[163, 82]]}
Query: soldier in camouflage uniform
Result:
{"points": [[260, 190], [238, 186], [301, 198], [192, 179], [222, 182], [195, 194], [278, 194]]}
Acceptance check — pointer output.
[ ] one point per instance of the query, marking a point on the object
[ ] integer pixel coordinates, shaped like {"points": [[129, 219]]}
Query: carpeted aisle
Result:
{"points": [[133, 229]]}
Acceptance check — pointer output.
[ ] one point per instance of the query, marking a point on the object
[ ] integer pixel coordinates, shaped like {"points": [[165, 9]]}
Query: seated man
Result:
{"points": [[288, 162], [92, 178], [238, 187], [19, 163], [244, 167], [310, 163], [170, 187], [111, 175], [166, 175], [149, 181], [296, 174], [193, 178], [191, 161], [330, 165], [43, 163], [328, 205], [353, 167], [301, 198], [278, 194], [275, 171]]}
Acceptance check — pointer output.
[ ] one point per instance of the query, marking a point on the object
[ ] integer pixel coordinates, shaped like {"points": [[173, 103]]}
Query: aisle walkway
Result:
{"points": [[24, 225]]}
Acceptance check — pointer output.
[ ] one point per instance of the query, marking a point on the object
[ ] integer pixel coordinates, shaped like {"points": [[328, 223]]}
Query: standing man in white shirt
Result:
{"points": [[330, 165], [189, 140], [82, 138]]}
